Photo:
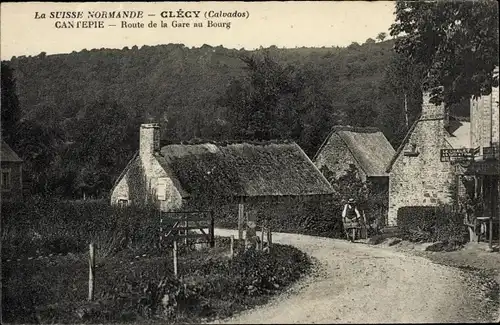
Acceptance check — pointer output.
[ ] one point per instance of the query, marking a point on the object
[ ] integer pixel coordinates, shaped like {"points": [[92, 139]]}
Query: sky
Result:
{"points": [[283, 24]]}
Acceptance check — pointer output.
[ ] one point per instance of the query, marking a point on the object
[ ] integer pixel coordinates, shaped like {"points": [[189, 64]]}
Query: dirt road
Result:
{"points": [[357, 283]]}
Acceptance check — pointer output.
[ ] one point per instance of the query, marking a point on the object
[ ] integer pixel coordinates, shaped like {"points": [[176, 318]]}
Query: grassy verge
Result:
{"points": [[131, 287]]}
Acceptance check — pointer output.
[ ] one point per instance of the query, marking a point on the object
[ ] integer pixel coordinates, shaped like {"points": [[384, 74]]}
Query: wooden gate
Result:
{"points": [[180, 225]]}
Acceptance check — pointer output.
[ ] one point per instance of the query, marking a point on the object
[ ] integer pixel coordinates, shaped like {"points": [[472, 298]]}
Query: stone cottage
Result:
{"points": [[364, 151], [418, 176], [12, 174], [172, 175], [367, 149]]}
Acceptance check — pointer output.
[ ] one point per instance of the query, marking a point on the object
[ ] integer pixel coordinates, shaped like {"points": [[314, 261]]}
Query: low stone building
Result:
{"points": [[367, 149], [175, 174], [12, 174]]}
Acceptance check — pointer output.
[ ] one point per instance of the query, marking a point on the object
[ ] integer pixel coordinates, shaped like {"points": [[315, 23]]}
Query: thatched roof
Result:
{"points": [[7, 154], [369, 147], [244, 169]]}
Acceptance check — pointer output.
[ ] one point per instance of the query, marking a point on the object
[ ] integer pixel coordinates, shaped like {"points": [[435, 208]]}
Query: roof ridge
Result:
{"points": [[357, 129], [230, 142]]}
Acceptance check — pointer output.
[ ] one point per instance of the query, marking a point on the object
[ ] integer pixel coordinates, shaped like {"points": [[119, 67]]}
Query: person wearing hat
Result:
{"points": [[351, 218]]}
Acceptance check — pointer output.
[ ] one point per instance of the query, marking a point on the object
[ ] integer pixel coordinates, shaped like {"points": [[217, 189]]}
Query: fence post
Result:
{"points": [[161, 232], [91, 271], [175, 257], [262, 236], [269, 238], [212, 231], [232, 246], [186, 232], [240, 220]]}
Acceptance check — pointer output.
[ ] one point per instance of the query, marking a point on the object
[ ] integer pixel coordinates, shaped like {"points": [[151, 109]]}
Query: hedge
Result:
{"points": [[42, 226], [292, 215], [431, 224]]}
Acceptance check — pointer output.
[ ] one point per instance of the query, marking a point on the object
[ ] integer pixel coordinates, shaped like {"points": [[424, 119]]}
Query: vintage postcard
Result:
{"points": [[250, 162]]}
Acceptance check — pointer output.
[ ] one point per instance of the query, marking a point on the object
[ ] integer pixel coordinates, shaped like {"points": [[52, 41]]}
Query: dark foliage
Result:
{"points": [[134, 275], [11, 112], [431, 224], [79, 129], [128, 289], [294, 215], [455, 41], [372, 197], [41, 226]]}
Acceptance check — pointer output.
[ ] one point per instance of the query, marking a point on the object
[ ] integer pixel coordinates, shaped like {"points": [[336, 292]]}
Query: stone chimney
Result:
{"points": [[433, 111], [149, 142]]}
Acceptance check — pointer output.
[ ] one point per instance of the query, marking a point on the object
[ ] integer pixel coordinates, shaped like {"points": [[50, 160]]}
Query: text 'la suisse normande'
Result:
{"points": [[97, 19]]}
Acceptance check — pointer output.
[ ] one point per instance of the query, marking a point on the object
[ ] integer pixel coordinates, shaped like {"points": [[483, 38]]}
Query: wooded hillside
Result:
{"points": [[88, 105]]}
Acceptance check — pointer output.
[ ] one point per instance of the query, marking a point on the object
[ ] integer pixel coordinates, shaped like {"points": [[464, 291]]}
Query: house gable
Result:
{"points": [[418, 177], [139, 184], [7, 154], [11, 181], [336, 158], [365, 148]]}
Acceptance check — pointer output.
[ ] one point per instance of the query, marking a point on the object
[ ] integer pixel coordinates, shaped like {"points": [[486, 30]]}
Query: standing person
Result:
{"points": [[350, 219]]}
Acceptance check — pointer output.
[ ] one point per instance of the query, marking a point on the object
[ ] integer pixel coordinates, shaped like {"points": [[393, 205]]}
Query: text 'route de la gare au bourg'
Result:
{"points": [[133, 19]]}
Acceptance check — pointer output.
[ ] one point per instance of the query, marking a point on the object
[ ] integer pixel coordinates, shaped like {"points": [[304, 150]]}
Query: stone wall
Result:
{"points": [[422, 180], [485, 120], [121, 190], [495, 115], [336, 156], [418, 177]]}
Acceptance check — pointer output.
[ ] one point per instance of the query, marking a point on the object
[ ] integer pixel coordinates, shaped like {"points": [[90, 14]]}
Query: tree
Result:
{"points": [[400, 98], [105, 140], [259, 109], [11, 112], [38, 145], [381, 36], [456, 42], [370, 41]]}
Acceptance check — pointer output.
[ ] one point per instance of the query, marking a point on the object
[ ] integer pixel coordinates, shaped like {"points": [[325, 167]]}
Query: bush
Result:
{"points": [[294, 215], [209, 285], [42, 226], [431, 224], [127, 289]]}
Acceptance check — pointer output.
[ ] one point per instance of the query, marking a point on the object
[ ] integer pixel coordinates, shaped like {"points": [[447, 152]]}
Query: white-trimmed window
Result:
{"points": [[161, 189], [6, 179]]}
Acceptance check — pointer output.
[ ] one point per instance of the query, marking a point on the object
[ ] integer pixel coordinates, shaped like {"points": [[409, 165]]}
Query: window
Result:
{"points": [[122, 203], [411, 150], [161, 189], [6, 179]]}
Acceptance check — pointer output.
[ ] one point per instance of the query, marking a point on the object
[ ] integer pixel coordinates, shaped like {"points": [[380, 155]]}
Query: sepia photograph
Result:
{"points": [[273, 162]]}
